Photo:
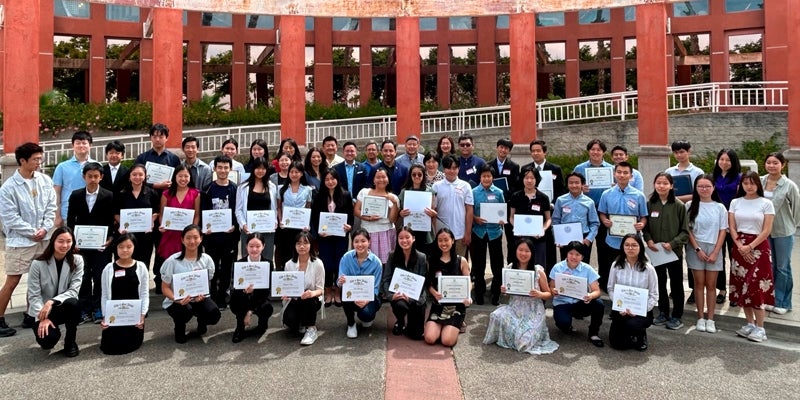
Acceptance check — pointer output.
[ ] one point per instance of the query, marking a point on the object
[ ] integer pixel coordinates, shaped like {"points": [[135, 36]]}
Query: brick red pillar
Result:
{"points": [[323, 61], [522, 38], [46, 31], [793, 71], [775, 49], [194, 70], [408, 78], [97, 66], [292, 77], [167, 81], [239, 76], [573, 68], [487, 62]]}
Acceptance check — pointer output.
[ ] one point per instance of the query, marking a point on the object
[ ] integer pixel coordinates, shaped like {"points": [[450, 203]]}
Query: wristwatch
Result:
{"points": [[697, 249]]}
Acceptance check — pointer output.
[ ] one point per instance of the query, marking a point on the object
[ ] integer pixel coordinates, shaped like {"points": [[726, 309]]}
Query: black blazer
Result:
{"points": [[558, 179], [320, 204], [119, 183], [360, 175], [102, 213], [510, 172]]}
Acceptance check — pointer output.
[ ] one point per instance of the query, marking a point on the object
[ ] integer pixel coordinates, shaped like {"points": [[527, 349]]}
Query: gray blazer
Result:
{"points": [[42, 285]]}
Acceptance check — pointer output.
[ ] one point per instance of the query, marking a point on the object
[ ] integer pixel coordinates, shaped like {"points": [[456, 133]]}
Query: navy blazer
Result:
{"points": [[360, 175], [102, 213], [119, 182], [558, 179], [510, 172]]}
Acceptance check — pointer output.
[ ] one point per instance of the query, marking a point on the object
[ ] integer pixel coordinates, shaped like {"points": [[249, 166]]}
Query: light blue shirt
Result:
{"points": [[615, 201], [569, 209], [406, 161], [349, 266], [583, 270], [350, 170], [637, 181], [594, 194], [483, 195], [69, 175]]}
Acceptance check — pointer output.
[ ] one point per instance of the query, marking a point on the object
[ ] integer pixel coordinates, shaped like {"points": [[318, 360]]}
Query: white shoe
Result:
{"points": [[701, 325], [310, 337], [769, 307], [746, 330], [758, 335], [711, 326], [779, 310], [352, 331], [366, 324]]}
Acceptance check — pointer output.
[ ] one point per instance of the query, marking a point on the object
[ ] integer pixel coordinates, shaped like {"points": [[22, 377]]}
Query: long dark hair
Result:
{"points": [[304, 236], [128, 188], [296, 156], [260, 143], [251, 180], [298, 166], [436, 252], [50, 250], [409, 185], [173, 188], [439, 151], [527, 242], [183, 247], [324, 193], [323, 166], [753, 177], [398, 257], [736, 166], [122, 238], [641, 258], [654, 197], [694, 207]]}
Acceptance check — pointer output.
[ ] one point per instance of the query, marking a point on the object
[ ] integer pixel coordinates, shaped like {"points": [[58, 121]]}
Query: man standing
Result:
{"points": [[352, 175], [468, 163], [684, 172], [538, 149], [371, 154], [412, 155], [397, 173], [619, 154], [504, 167], [330, 146], [68, 175], [115, 175], [596, 149], [454, 204], [221, 246], [27, 211], [198, 169]]}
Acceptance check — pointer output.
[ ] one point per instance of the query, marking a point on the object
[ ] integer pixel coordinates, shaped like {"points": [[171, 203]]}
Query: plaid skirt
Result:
{"points": [[382, 243]]}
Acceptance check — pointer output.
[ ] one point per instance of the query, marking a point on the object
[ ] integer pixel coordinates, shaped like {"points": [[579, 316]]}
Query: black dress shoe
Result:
{"points": [[597, 342], [642, 346], [71, 350], [202, 328], [398, 329], [495, 300], [28, 322], [479, 300], [238, 336], [690, 299], [720, 298], [180, 335]]}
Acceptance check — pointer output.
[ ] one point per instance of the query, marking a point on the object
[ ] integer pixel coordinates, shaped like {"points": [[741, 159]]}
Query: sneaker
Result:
{"points": [[5, 330], [701, 325], [28, 322], [780, 310], [758, 335], [366, 324], [769, 307], [746, 330], [674, 324], [690, 299], [98, 316], [310, 337], [711, 327], [661, 319], [352, 331], [720, 298], [398, 329], [85, 318]]}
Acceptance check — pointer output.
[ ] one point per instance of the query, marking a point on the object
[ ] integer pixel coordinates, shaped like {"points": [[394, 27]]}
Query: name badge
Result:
{"points": [[119, 273], [566, 210], [631, 204], [506, 172], [491, 197], [655, 214], [535, 207], [471, 171]]}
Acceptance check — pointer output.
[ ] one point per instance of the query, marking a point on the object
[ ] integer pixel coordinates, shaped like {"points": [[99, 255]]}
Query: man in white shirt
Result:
{"points": [[330, 146], [454, 204], [682, 150]]}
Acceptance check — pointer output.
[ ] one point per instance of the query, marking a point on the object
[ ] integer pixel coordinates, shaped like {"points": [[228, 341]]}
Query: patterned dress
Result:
{"points": [[752, 285], [521, 325]]}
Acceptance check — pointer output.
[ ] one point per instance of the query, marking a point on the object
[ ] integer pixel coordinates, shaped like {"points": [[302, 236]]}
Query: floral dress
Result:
{"points": [[521, 325]]}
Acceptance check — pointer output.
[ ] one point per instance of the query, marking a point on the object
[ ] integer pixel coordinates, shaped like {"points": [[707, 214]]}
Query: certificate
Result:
{"points": [[296, 217], [288, 283], [519, 281], [123, 312], [565, 233], [190, 284], [453, 288], [233, 176], [251, 273], [157, 173], [358, 288], [571, 286], [493, 213], [417, 201], [376, 206], [135, 220], [418, 221], [332, 224], [407, 283], [262, 221], [630, 298], [546, 184], [660, 257], [175, 219], [91, 236], [622, 225], [217, 220], [528, 225], [600, 177]]}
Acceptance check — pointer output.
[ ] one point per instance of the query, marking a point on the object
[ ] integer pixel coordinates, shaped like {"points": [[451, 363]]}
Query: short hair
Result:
{"points": [[388, 141], [578, 175], [115, 145], [619, 147], [329, 139], [598, 142], [624, 164], [82, 135], [486, 167], [574, 245], [430, 155], [349, 143], [190, 139], [223, 159], [370, 143], [465, 136], [92, 166], [505, 142], [681, 145], [26, 150], [532, 169], [159, 129], [412, 137], [540, 142], [449, 160]]}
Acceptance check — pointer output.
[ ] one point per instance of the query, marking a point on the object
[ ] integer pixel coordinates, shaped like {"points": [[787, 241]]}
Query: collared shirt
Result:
{"points": [[451, 198], [583, 270], [594, 194], [630, 276], [616, 201], [569, 209], [113, 170], [200, 173], [26, 205], [69, 175], [499, 165], [336, 160], [492, 194], [786, 201], [91, 198], [350, 169], [468, 169], [637, 181], [407, 162], [372, 265], [172, 265]]}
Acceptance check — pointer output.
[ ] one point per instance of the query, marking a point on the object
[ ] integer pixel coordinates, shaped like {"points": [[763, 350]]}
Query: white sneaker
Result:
{"points": [[701, 325], [310, 337], [711, 326], [779, 310], [352, 331], [769, 307], [746, 330], [366, 324], [758, 335]]}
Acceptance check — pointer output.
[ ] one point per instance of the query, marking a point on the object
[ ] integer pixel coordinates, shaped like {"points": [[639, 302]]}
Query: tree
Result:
{"points": [[747, 72], [463, 86], [219, 82], [343, 84], [70, 81], [431, 93]]}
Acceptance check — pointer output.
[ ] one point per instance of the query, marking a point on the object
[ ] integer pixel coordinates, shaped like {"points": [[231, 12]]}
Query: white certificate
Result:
{"points": [[123, 312], [622, 225], [600, 177], [660, 257], [358, 288], [296, 217], [190, 284], [288, 283], [251, 273], [407, 283], [493, 213], [519, 281], [545, 184], [91, 236], [157, 173], [416, 202], [135, 220], [572, 286], [376, 206], [332, 224], [261, 221], [528, 225], [217, 220], [565, 233], [453, 288], [630, 298], [175, 219], [233, 176]]}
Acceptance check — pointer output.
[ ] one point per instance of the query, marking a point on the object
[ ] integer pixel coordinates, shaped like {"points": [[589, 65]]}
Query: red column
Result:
{"points": [[2, 67], [21, 77], [443, 75], [365, 72], [618, 70], [292, 77], [793, 72], [239, 76], [487, 62], [323, 61], [651, 41], [46, 30], [408, 78], [167, 81], [146, 70], [775, 53], [194, 71], [522, 38], [97, 66], [573, 70]]}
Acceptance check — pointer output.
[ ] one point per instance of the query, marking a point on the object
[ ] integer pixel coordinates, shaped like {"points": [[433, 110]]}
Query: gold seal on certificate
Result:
{"points": [[123, 312], [332, 224], [288, 283], [630, 298], [375, 206], [135, 220], [358, 288], [175, 219], [157, 173], [599, 177], [191, 284], [296, 217], [91, 236], [247, 273], [217, 220], [454, 288], [622, 225], [262, 221], [407, 283], [572, 286], [518, 281]]}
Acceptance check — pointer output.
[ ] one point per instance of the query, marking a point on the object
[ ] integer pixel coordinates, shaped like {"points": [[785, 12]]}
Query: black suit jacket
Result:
{"points": [[360, 175], [510, 172], [119, 183], [558, 179], [102, 213]]}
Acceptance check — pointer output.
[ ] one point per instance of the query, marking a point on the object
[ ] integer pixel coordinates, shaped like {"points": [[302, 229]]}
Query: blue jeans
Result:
{"points": [[782, 270], [366, 314], [563, 314]]}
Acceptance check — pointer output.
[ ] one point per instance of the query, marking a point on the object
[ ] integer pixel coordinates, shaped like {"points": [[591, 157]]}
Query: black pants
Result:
{"points": [[206, 311], [94, 261], [143, 251], [550, 249], [625, 328], [241, 303], [674, 272], [158, 261], [415, 312], [301, 312], [224, 256], [726, 251], [605, 257], [117, 340], [563, 314], [68, 313], [478, 251]]}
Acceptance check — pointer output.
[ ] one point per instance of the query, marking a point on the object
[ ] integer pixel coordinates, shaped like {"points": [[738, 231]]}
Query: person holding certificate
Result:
{"points": [[378, 209], [300, 313], [356, 262], [135, 194], [486, 233], [577, 207], [124, 279], [248, 301], [181, 194], [295, 193], [565, 308], [331, 199], [416, 182], [531, 201], [53, 283], [667, 230], [256, 194], [190, 258], [521, 324], [629, 330], [406, 257], [445, 321]]}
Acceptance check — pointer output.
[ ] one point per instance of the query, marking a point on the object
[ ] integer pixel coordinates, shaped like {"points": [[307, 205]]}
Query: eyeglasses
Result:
{"points": [[631, 245], [416, 174], [465, 144]]}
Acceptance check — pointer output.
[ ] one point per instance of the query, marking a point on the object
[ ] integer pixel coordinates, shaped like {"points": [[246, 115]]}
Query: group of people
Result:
{"points": [[749, 218]]}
